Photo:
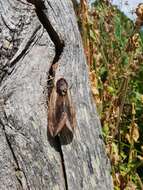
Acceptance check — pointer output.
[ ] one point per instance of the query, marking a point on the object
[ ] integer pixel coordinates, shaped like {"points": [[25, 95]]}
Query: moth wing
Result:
{"points": [[51, 111], [61, 123], [68, 125], [72, 114]]}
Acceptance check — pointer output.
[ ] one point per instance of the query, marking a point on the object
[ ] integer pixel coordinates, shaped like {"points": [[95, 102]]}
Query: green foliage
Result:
{"points": [[114, 47]]}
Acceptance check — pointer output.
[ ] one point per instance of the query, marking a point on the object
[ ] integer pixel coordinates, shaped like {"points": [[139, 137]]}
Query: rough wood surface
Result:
{"points": [[32, 35]]}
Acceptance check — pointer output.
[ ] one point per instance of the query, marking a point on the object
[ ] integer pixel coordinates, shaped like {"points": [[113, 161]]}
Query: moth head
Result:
{"points": [[62, 87]]}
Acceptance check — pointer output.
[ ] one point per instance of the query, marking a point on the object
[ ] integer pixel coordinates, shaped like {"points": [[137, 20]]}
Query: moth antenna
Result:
{"points": [[70, 86]]}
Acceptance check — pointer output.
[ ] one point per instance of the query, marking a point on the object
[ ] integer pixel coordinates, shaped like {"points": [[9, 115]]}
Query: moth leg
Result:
{"points": [[61, 123]]}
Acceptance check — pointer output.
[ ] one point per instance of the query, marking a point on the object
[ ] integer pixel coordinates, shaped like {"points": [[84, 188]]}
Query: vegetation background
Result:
{"points": [[114, 49]]}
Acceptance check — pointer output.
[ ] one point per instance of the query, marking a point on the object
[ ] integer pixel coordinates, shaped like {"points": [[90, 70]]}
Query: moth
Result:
{"points": [[61, 112]]}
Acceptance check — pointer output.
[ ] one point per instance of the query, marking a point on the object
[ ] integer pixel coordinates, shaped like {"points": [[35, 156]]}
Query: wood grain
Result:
{"points": [[31, 41]]}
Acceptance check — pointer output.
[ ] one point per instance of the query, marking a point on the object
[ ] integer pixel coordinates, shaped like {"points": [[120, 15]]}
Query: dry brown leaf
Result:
{"points": [[139, 11], [131, 186], [94, 84], [128, 138], [142, 148], [140, 158], [142, 98], [95, 91], [135, 132]]}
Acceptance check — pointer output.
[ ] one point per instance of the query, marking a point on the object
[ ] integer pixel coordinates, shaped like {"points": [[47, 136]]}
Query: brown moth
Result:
{"points": [[61, 112]]}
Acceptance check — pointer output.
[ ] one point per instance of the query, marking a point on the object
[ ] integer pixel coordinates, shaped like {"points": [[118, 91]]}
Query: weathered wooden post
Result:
{"points": [[40, 39]]}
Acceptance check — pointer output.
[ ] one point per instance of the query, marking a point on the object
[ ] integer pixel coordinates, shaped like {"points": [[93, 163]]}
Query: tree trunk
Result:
{"points": [[35, 36]]}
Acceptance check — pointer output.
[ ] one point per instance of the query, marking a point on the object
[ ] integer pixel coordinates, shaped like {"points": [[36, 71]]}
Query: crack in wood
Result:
{"points": [[62, 161], [5, 23], [16, 167], [40, 9], [59, 44], [21, 53], [8, 68]]}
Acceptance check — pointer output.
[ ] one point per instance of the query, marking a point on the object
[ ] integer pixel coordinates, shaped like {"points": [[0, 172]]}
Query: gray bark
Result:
{"points": [[32, 38]]}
